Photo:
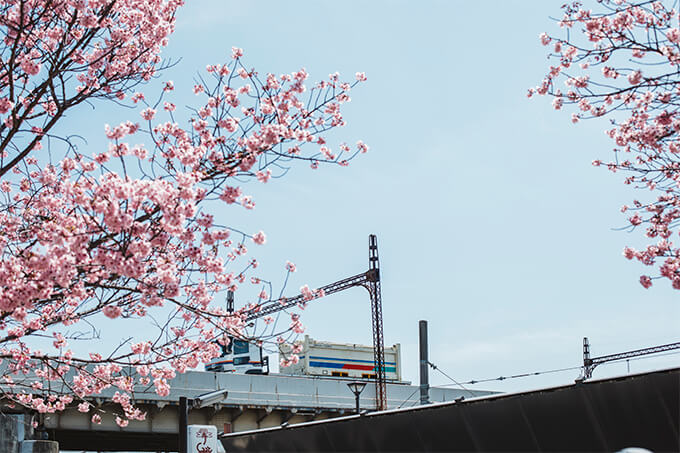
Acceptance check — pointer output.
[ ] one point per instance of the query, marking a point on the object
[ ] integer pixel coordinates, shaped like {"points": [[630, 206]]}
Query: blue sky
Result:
{"points": [[492, 224]]}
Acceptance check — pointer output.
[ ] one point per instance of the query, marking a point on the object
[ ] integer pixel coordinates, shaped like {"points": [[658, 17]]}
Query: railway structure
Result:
{"points": [[253, 401], [370, 280]]}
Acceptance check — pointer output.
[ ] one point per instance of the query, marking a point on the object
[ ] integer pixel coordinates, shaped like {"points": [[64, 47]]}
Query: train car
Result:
{"points": [[240, 356], [323, 358]]}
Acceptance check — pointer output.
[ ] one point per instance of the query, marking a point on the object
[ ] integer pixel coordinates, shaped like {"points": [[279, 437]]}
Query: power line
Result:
{"points": [[522, 375], [434, 367], [408, 398], [557, 370], [533, 373], [516, 376]]}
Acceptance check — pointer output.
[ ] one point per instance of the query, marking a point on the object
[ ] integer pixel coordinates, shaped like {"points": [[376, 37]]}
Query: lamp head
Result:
{"points": [[209, 399], [356, 387]]}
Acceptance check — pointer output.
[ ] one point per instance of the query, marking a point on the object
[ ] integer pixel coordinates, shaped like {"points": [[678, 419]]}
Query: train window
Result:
{"points": [[225, 349], [339, 374], [240, 347], [368, 376], [241, 360]]}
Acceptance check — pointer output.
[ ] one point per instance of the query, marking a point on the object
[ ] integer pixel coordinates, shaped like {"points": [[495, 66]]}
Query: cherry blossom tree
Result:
{"points": [[620, 60], [92, 238]]}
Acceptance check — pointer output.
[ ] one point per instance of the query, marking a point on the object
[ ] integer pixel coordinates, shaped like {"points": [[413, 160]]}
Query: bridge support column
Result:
{"points": [[9, 432], [39, 446], [16, 433]]}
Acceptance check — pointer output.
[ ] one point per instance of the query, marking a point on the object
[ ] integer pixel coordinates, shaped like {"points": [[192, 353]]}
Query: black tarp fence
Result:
{"points": [[640, 410]]}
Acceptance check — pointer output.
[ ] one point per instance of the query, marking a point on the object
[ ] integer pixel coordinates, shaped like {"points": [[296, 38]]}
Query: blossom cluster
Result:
{"points": [[124, 233], [622, 61]]}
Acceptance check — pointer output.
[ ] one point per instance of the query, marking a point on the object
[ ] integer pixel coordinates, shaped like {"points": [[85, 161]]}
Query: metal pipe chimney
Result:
{"points": [[424, 378]]}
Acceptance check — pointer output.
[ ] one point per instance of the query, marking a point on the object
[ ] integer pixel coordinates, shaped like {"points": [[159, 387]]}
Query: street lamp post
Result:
{"points": [[357, 388], [183, 419], [207, 399]]}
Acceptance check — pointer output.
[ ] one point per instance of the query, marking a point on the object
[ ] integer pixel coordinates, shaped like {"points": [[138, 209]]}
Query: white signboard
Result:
{"points": [[202, 439]]}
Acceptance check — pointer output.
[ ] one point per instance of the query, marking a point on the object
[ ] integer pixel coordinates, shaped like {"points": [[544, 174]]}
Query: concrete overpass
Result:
{"points": [[253, 402]]}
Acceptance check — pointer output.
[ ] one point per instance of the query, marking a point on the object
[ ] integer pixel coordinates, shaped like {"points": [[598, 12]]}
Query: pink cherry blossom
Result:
{"points": [[230, 194], [130, 232], [259, 238], [112, 311], [306, 292], [673, 35], [148, 114], [635, 77], [5, 105], [635, 220], [610, 72], [645, 281], [609, 39], [121, 422], [263, 176]]}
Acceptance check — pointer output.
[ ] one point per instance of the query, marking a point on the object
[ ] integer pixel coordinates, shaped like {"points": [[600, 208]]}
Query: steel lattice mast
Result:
{"points": [[369, 280], [373, 287], [589, 363]]}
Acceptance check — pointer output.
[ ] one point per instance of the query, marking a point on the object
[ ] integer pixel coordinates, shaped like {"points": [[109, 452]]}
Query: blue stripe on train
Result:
{"points": [[346, 360], [388, 369]]}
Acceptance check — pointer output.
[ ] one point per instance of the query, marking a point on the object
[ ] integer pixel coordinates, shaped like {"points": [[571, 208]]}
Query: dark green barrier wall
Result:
{"points": [[609, 415]]}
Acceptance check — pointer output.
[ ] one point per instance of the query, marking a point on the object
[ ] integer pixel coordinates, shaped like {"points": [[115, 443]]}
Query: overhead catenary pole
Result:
{"points": [[587, 370], [373, 287], [369, 280], [589, 363], [424, 377]]}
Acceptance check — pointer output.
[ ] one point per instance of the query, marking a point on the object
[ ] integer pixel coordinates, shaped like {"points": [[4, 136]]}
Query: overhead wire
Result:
{"points": [[408, 398], [521, 375], [434, 367], [537, 373]]}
